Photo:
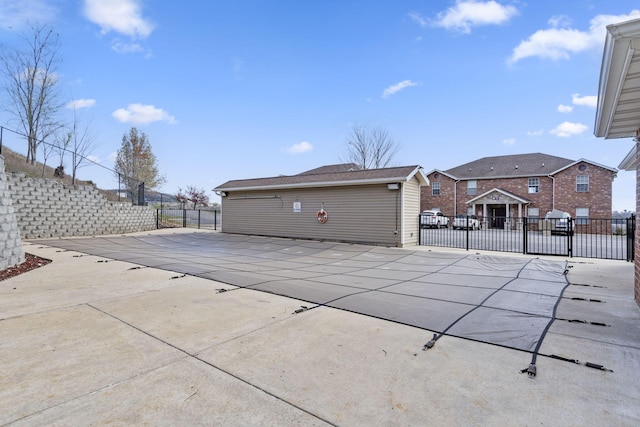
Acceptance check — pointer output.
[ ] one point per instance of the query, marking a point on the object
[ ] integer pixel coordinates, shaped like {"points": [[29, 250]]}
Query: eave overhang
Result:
{"points": [[618, 110]]}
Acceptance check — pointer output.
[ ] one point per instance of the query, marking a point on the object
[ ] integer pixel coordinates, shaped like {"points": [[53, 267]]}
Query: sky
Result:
{"points": [[253, 88]]}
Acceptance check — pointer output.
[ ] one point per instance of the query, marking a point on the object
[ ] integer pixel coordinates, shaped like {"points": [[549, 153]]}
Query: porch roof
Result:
{"points": [[498, 192]]}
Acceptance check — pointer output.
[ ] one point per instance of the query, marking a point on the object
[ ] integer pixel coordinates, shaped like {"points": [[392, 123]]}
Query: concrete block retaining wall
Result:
{"points": [[11, 252], [47, 208]]}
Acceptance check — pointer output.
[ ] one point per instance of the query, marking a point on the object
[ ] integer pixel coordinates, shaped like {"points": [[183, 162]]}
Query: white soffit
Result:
{"points": [[618, 114]]}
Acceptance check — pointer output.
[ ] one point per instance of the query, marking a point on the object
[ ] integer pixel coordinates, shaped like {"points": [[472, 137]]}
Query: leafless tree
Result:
{"points": [[82, 142], [31, 83], [61, 145], [193, 195], [371, 148]]}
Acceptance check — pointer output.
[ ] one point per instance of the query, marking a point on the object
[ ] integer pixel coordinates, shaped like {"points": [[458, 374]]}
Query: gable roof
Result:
{"points": [[516, 165], [342, 167], [501, 191], [328, 179]]}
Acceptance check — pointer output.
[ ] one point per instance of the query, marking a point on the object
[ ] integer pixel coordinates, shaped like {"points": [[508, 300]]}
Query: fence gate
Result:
{"points": [[549, 237]]}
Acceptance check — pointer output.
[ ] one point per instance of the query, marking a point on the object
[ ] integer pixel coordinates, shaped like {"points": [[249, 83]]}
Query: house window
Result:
{"points": [[582, 216], [435, 188], [472, 187], [534, 215], [534, 185], [582, 183]]}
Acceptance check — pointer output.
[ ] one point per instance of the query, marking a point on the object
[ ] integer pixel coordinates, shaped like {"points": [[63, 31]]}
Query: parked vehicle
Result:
{"points": [[557, 221], [470, 222], [434, 219]]}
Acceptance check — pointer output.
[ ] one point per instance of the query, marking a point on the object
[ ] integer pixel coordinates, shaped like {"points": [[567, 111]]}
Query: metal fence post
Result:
{"points": [[570, 237], [467, 232], [184, 218], [525, 235], [631, 237], [199, 219], [215, 220]]}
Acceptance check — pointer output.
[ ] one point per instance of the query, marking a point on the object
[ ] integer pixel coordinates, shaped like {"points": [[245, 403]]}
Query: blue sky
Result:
{"points": [[245, 89]]}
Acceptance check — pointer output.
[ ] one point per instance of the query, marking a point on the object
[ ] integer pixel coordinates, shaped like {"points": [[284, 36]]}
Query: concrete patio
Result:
{"points": [[90, 340]]}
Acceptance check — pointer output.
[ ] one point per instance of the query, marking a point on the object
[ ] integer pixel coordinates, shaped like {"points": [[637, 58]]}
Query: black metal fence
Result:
{"points": [[194, 218], [606, 238]]}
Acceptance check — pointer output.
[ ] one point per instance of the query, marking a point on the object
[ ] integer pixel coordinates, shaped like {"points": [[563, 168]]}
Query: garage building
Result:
{"points": [[337, 202]]}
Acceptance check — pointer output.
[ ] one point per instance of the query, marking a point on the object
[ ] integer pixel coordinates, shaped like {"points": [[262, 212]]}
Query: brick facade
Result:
{"points": [[558, 191]]}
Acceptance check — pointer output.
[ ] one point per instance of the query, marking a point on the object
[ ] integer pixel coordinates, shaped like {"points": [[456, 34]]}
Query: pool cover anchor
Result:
{"points": [[431, 343], [531, 370]]}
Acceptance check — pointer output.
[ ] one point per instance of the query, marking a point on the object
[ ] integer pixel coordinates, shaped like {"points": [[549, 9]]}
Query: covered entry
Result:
{"points": [[499, 209]]}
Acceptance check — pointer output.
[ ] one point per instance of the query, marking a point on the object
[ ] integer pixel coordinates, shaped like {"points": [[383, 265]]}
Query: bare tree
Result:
{"points": [[193, 195], [82, 143], [371, 148], [63, 139], [31, 82]]}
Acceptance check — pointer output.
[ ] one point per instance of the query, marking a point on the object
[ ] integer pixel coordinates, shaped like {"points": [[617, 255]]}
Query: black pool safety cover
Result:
{"points": [[506, 301]]}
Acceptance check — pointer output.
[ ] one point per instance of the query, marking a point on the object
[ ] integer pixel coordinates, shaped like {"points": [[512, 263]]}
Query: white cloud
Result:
{"points": [[509, 141], [301, 147], [538, 132], [587, 100], [142, 114], [471, 13], [397, 88], [113, 156], [119, 46], [565, 108], [416, 17], [120, 16], [94, 159], [568, 129], [18, 14], [80, 103], [559, 41]]}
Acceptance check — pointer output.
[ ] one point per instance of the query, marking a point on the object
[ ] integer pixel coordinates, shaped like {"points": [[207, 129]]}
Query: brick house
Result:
{"points": [[506, 188]]}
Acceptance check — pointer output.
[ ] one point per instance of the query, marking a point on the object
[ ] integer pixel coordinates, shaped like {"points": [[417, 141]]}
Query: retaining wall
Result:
{"points": [[47, 208], [11, 252]]}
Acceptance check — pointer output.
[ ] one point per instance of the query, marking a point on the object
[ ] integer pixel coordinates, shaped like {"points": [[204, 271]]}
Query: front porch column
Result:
{"points": [[507, 220]]}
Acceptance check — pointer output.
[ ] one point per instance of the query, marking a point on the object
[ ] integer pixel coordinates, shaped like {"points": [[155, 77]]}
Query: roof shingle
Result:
{"points": [[324, 178], [510, 166]]}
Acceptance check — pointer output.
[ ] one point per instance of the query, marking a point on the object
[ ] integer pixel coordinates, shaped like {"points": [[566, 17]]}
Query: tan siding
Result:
{"points": [[411, 210], [364, 213]]}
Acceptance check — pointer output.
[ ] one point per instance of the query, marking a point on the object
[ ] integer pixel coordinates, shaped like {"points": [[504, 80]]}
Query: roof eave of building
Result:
{"points": [[319, 184], [630, 162], [621, 44]]}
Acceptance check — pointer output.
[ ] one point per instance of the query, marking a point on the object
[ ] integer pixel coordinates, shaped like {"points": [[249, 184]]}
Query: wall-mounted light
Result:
{"points": [[393, 186]]}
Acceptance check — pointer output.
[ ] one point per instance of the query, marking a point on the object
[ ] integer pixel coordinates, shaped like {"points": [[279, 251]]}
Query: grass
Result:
{"points": [[16, 162]]}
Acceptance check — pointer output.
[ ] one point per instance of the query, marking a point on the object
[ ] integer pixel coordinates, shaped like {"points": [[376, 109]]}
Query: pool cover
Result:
{"points": [[506, 301]]}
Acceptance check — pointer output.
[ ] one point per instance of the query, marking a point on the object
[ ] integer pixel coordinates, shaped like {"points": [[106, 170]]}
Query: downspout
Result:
{"points": [[553, 192], [455, 197]]}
